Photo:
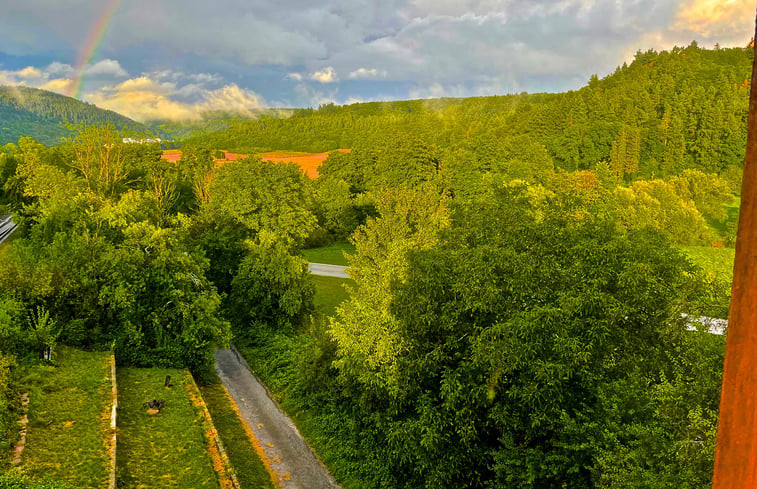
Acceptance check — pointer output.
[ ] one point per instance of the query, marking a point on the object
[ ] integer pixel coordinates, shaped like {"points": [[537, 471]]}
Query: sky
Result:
{"points": [[175, 59]]}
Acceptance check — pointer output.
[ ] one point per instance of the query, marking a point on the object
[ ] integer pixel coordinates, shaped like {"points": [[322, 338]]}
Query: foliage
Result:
{"points": [[271, 287], [410, 219], [105, 257], [272, 200], [18, 480]]}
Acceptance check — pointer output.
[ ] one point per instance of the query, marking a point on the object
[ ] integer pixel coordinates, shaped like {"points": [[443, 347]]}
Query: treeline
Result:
{"points": [[663, 113], [506, 328], [684, 207], [44, 115], [117, 249]]}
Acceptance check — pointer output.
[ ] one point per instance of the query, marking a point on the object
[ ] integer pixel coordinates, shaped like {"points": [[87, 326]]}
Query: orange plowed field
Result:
{"points": [[309, 162]]}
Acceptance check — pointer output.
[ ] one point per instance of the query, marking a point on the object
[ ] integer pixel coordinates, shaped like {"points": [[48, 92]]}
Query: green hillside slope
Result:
{"points": [[663, 113], [43, 115]]}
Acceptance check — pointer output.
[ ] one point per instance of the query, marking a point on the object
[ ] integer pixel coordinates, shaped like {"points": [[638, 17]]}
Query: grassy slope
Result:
{"points": [[715, 261], [250, 471], [167, 450], [331, 254], [69, 418], [329, 293]]}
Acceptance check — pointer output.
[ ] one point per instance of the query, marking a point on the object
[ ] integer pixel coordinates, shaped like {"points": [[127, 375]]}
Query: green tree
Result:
{"points": [[269, 199]]}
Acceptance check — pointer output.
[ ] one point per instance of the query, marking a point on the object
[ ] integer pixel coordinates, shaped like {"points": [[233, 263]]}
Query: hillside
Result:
{"points": [[663, 113], [43, 115]]}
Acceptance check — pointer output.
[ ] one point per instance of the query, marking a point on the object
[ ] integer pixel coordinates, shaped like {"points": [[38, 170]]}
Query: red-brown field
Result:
{"points": [[309, 162], [172, 155]]}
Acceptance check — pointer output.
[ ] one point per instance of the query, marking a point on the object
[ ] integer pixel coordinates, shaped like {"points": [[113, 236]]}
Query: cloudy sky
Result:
{"points": [[176, 58]]}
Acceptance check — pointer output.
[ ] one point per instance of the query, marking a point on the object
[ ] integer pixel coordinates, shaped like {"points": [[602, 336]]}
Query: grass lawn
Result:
{"points": [[166, 450], [250, 471], [732, 209], [329, 293], [10, 239], [331, 254], [715, 261], [69, 419]]}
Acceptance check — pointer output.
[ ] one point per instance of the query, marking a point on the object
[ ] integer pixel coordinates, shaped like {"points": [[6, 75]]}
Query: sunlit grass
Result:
{"points": [[329, 293], [69, 419], [168, 449], [718, 262], [250, 471], [332, 254]]}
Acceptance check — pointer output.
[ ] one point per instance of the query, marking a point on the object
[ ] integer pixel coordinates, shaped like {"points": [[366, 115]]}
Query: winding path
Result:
{"points": [[290, 458]]}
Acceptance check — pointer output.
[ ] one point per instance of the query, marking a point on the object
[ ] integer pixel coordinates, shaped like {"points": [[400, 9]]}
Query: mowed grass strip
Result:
{"points": [[69, 419], [329, 293], [249, 469], [333, 254], [168, 449]]}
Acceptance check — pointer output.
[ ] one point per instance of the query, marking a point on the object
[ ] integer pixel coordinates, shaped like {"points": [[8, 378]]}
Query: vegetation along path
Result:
{"points": [[294, 463]]}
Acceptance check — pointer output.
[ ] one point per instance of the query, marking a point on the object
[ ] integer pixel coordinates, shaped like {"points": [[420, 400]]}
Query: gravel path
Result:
{"points": [[328, 270], [289, 456]]}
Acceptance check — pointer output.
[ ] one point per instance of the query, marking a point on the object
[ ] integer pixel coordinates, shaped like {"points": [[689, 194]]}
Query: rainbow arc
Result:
{"points": [[90, 48]]}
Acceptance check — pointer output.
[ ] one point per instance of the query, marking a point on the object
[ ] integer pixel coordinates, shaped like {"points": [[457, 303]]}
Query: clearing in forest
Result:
{"points": [[332, 254], [68, 433], [329, 293], [167, 449]]}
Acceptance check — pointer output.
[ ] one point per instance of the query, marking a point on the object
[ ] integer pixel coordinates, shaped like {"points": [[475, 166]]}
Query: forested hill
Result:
{"points": [[42, 115], [665, 112]]}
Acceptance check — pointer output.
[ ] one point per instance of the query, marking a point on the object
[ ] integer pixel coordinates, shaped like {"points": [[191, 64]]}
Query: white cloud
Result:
{"points": [[231, 98], [59, 69], [30, 73], [508, 45], [143, 99], [326, 75], [58, 85], [367, 74], [106, 67]]}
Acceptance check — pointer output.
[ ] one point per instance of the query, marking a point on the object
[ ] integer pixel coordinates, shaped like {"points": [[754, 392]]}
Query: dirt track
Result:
{"points": [[288, 455]]}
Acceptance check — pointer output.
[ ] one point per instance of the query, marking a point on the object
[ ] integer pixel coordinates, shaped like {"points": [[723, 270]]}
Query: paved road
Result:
{"points": [[289, 456], [328, 270], [6, 227]]}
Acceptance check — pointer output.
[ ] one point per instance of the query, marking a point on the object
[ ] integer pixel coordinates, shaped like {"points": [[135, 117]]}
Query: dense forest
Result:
{"points": [[666, 111], [518, 311], [28, 111]]}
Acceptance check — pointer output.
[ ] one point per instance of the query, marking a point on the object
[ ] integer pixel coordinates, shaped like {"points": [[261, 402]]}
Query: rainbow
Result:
{"points": [[88, 51]]}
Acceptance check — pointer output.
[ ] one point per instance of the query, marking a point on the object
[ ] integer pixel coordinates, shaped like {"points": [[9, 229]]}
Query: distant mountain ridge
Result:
{"points": [[43, 115]]}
